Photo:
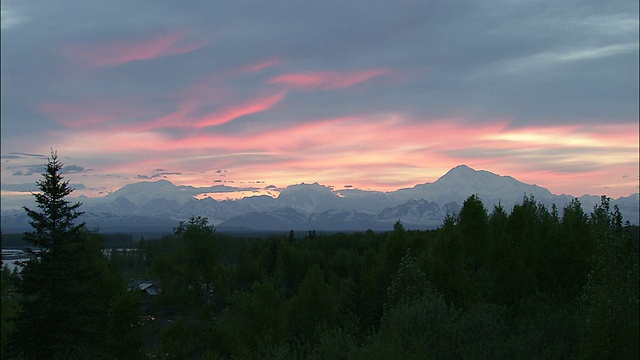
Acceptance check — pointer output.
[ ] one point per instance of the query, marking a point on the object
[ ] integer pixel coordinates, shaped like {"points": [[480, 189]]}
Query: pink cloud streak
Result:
{"points": [[122, 52], [259, 66], [233, 112], [114, 112], [326, 79]]}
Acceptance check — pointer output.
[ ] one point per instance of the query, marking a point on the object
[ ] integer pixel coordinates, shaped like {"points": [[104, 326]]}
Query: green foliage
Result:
{"points": [[336, 343], [420, 329], [201, 255], [125, 332], [312, 306], [610, 300], [532, 283], [10, 308], [178, 340], [188, 270], [446, 264], [542, 329], [256, 317], [473, 223], [409, 282], [247, 270], [482, 332]]}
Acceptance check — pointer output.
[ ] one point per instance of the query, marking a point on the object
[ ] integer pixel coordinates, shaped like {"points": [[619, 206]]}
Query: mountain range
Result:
{"points": [[158, 207]]}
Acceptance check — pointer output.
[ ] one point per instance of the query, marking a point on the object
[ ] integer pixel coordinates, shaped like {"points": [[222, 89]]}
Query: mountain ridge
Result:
{"points": [[314, 206]]}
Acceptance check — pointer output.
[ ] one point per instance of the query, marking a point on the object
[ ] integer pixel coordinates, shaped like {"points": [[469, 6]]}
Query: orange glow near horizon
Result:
{"points": [[372, 152]]}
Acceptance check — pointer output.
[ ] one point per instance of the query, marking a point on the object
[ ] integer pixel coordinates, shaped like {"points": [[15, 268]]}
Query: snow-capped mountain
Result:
{"points": [[460, 182], [161, 205], [309, 198]]}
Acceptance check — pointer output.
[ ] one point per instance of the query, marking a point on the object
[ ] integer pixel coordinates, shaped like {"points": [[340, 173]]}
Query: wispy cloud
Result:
{"points": [[111, 54], [18, 155], [326, 79], [236, 111], [27, 170], [74, 169], [564, 56], [10, 17], [262, 65]]}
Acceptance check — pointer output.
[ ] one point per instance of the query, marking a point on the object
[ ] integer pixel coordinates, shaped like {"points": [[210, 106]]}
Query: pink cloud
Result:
{"points": [[326, 79], [178, 118], [385, 152], [122, 52], [259, 66], [236, 111], [73, 116], [183, 116], [132, 114]]}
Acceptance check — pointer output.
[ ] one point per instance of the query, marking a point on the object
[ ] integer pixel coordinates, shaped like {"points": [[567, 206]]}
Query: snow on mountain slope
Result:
{"points": [[315, 206], [142, 192], [309, 198], [462, 181]]}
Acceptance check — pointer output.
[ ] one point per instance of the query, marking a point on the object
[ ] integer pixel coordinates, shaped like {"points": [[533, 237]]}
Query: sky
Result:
{"points": [[376, 95]]}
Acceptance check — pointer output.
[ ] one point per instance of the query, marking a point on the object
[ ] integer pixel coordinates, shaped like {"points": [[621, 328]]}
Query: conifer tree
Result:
{"points": [[66, 286], [54, 224]]}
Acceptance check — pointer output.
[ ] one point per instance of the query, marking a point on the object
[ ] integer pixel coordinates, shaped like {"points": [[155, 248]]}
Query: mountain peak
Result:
{"points": [[459, 172], [461, 169], [307, 187], [141, 192], [148, 184], [308, 197]]}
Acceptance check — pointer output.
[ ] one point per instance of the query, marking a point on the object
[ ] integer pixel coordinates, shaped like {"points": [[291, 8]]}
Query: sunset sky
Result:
{"points": [[375, 95]]}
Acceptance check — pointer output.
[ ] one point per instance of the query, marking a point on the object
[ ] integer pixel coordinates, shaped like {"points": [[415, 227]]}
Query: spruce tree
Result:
{"points": [[66, 286], [54, 224]]}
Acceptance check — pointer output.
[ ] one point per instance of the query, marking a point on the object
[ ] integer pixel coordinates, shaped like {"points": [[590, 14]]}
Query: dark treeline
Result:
{"points": [[521, 283], [531, 283]]}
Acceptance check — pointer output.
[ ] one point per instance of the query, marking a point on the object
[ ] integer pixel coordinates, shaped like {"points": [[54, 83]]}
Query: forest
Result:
{"points": [[529, 282]]}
